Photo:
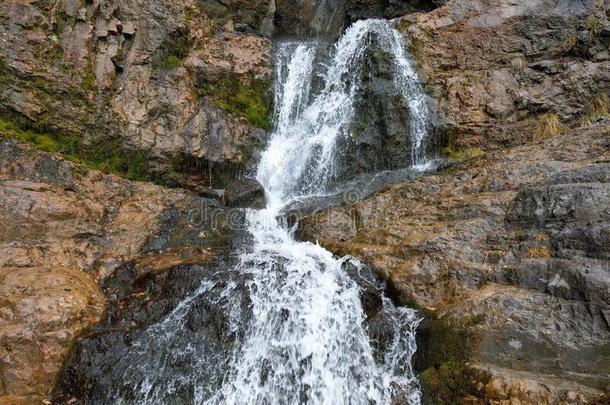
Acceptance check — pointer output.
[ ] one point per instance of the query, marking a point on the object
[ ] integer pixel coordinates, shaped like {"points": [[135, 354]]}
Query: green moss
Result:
{"points": [[107, 156], [111, 157], [89, 83], [173, 51], [444, 349], [451, 382], [171, 62], [250, 102], [61, 22], [461, 155]]}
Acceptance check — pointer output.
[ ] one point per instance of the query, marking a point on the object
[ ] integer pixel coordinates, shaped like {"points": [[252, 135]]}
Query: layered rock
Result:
{"points": [[508, 257], [64, 230], [103, 70], [496, 67]]}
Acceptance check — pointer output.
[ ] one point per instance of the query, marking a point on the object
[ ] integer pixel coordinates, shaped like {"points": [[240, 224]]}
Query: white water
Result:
{"points": [[300, 157], [307, 341]]}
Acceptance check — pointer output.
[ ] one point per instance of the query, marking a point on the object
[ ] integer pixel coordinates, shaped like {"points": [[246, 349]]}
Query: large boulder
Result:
{"points": [[43, 311]]}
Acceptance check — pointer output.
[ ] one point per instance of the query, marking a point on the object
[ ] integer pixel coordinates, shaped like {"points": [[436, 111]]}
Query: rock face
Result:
{"points": [[330, 17], [495, 67], [247, 193], [512, 249], [135, 71], [64, 229], [144, 332], [43, 311]]}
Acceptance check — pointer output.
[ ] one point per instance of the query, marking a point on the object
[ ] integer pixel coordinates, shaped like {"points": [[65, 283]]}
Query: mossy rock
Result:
{"points": [[445, 347], [451, 382], [248, 101], [105, 155]]}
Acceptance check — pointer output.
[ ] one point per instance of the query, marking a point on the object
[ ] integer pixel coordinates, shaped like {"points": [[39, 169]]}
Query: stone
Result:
{"points": [[129, 28], [43, 312], [111, 73], [481, 59], [247, 193], [66, 229], [513, 247]]}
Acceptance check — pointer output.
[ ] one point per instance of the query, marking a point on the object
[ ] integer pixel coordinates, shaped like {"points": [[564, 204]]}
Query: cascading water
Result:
{"points": [[300, 158], [306, 342], [295, 328]]}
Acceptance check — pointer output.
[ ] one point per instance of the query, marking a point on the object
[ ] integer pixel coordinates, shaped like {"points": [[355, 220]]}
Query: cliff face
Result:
{"points": [[140, 72], [65, 230], [510, 251], [507, 254], [496, 68]]}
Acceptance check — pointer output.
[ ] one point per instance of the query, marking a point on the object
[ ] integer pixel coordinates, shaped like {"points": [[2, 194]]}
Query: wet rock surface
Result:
{"points": [[134, 72], [509, 248], [496, 67], [169, 315], [246, 193], [330, 17], [65, 230]]}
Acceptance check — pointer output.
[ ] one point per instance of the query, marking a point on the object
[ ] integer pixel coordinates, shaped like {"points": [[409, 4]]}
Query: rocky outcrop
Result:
{"points": [[496, 67], [64, 230], [247, 193], [132, 71], [508, 257], [330, 17]]}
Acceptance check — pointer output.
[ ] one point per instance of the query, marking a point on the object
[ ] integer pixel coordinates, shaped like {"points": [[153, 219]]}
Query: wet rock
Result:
{"points": [[495, 67], [247, 193], [371, 287], [178, 310], [330, 17], [135, 342], [64, 229], [511, 248]]}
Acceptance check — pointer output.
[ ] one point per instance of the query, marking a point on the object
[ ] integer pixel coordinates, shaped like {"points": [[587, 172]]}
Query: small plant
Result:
{"points": [[89, 81], [462, 155], [173, 51], [594, 27], [548, 125], [518, 64], [171, 62], [538, 252], [248, 101], [566, 45], [599, 110]]}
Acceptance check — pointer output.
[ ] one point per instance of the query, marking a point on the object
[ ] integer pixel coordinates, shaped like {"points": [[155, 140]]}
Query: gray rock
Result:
{"points": [[247, 193]]}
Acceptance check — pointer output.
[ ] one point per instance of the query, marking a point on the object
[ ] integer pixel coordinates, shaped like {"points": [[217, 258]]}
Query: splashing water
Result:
{"points": [[300, 157], [306, 339], [307, 342]]}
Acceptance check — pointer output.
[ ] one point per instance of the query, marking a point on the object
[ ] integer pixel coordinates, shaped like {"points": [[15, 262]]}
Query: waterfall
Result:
{"points": [[306, 341], [300, 158], [294, 329]]}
